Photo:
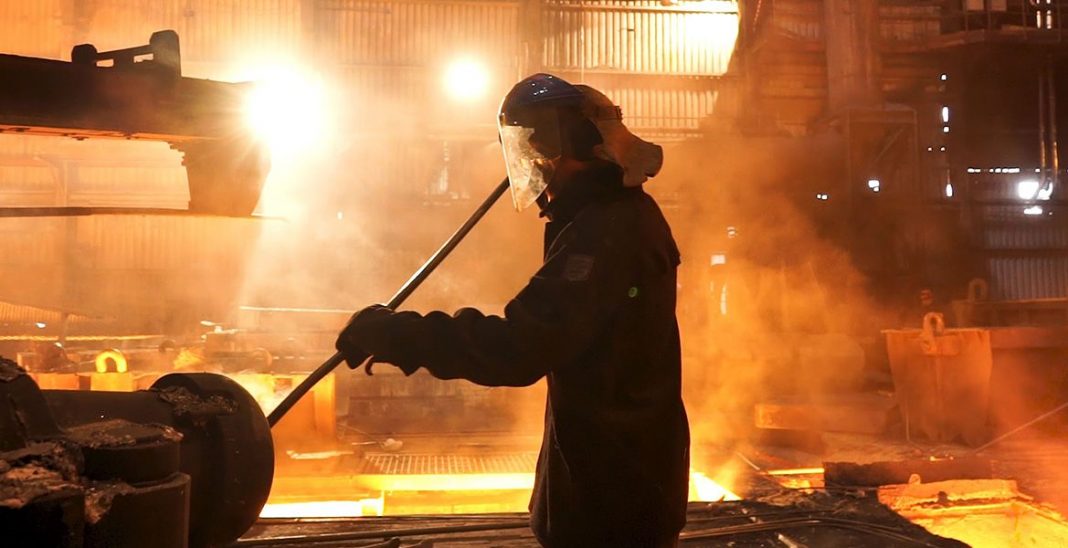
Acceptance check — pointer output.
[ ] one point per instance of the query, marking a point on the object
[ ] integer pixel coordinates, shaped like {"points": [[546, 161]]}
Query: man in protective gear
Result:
{"points": [[597, 320]]}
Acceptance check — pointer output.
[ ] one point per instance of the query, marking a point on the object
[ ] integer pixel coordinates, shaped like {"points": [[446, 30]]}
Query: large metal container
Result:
{"points": [[971, 383], [942, 380]]}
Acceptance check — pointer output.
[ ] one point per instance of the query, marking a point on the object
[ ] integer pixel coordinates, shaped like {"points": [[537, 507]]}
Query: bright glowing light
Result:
{"points": [[324, 509], [949, 190], [41, 325], [112, 356], [287, 109], [795, 471], [466, 80], [704, 488], [714, 30], [874, 185], [945, 129], [1027, 190], [945, 114], [1033, 210], [822, 196], [944, 77]]}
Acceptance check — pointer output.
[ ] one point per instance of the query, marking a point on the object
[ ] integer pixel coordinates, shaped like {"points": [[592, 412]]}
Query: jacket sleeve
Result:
{"points": [[547, 326]]}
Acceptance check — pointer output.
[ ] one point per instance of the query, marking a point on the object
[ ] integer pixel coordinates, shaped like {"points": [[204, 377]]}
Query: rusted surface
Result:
{"points": [[860, 413], [99, 496], [35, 471], [118, 432], [188, 404], [899, 472]]}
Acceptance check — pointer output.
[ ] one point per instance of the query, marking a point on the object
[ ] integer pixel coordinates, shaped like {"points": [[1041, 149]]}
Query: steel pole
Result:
{"points": [[398, 298]]}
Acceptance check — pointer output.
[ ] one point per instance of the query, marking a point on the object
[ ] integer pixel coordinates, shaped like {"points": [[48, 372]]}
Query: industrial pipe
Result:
{"points": [[398, 298]]}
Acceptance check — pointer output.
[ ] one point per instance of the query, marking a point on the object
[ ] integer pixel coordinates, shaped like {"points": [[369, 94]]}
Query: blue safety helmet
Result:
{"points": [[536, 123], [544, 118]]}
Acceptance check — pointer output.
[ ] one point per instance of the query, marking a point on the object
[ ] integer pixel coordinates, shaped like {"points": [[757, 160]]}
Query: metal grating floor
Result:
{"points": [[501, 463]]}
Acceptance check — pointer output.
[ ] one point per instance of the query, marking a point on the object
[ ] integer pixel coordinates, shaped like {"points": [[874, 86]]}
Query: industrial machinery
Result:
{"points": [[143, 99], [188, 462]]}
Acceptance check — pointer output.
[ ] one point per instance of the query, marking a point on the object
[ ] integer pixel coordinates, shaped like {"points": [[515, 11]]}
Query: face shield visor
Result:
{"points": [[531, 145]]}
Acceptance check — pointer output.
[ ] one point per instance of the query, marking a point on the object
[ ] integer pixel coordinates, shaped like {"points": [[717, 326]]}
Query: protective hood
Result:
{"points": [[639, 159]]}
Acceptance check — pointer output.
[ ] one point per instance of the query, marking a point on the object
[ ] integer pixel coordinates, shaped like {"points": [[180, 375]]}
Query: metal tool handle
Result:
{"points": [[398, 298]]}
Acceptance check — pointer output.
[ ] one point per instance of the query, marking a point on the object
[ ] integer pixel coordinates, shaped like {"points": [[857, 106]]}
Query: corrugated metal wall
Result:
{"points": [[1018, 278], [125, 266], [47, 171], [902, 23], [640, 37], [800, 20], [210, 30], [415, 32], [658, 110], [124, 242], [392, 57], [659, 63], [1025, 255]]}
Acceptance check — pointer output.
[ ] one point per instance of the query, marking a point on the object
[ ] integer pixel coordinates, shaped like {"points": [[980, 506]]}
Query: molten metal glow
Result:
{"points": [[705, 489], [426, 493], [448, 482], [113, 356], [112, 382], [261, 387], [324, 509], [795, 471]]}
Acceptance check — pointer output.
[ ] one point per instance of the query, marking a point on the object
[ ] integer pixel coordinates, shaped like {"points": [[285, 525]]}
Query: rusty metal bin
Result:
{"points": [[942, 380]]}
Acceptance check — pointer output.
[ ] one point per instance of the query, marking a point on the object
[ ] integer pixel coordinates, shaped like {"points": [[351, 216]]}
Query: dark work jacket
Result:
{"points": [[598, 320]]}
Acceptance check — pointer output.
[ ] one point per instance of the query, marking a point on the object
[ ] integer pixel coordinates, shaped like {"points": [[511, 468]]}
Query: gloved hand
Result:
{"points": [[368, 331]]}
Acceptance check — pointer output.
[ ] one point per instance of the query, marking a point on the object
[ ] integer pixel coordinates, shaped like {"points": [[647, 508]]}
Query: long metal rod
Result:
{"points": [[402, 294], [1051, 96], [384, 533], [900, 536], [1023, 426], [1043, 144]]}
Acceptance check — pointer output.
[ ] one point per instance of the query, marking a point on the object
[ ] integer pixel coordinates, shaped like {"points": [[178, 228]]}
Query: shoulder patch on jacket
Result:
{"points": [[577, 268]]}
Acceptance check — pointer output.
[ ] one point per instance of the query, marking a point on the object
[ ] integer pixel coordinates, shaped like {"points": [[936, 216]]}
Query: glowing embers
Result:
{"points": [[705, 489], [798, 478], [982, 513]]}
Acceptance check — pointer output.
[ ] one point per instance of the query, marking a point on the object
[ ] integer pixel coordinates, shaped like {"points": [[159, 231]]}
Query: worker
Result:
{"points": [[597, 320]]}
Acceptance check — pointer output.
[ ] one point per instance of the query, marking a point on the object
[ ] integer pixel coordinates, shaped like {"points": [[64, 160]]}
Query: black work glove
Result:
{"points": [[369, 332]]}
